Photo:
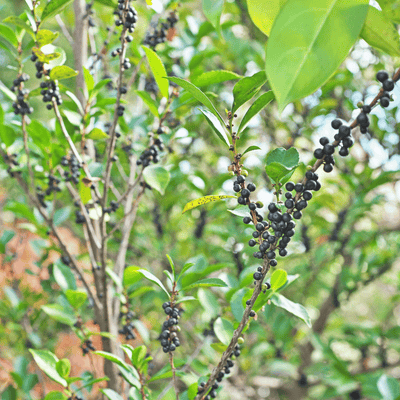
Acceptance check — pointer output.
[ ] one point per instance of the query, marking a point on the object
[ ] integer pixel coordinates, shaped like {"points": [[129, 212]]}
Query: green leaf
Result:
{"points": [[294, 308], [264, 12], [131, 275], [246, 88], [391, 9], [281, 164], [63, 276], [45, 58], [138, 355], [47, 361], [76, 298], [39, 133], [380, 33], [210, 282], [55, 395], [276, 171], [12, 19], [278, 279], [148, 275], [7, 135], [212, 10], [9, 394], [198, 95], [62, 72], [250, 148], [224, 330], [301, 59], [216, 126], [59, 313], [214, 77], [255, 108], [147, 99], [96, 134], [53, 8], [8, 34], [184, 269], [12, 296], [45, 36], [171, 263], [63, 367], [89, 81], [157, 177], [388, 387], [158, 70], [204, 200], [5, 238], [111, 394]]}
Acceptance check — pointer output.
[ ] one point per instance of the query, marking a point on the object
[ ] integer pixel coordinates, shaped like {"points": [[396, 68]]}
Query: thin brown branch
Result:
{"points": [[65, 30]]}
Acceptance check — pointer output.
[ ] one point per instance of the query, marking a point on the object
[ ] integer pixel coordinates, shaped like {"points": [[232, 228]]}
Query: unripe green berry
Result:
{"points": [[240, 340], [244, 172]]}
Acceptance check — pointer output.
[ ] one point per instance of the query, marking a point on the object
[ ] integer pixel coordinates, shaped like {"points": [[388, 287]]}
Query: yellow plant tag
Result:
{"points": [[204, 200]]}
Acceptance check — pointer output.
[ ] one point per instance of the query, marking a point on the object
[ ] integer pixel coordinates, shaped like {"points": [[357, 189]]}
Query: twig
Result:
{"points": [[65, 30]]}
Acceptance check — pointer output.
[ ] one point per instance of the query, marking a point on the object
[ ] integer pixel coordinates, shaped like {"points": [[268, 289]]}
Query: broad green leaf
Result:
{"points": [[185, 298], [55, 395], [39, 133], [131, 276], [114, 277], [214, 77], [264, 12], [216, 126], [5, 238], [198, 95], [85, 193], [62, 72], [59, 313], [63, 276], [255, 108], [209, 302], [212, 10], [111, 394], [76, 297], [224, 330], [380, 33], [45, 36], [250, 148], [391, 9], [303, 51], [138, 355], [10, 393], [158, 70], [147, 99], [63, 367], [89, 81], [148, 275], [289, 158], [7, 135], [276, 171], [246, 88], [12, 19], [157, 177], [128, 375], [184, 269], [278, 279], [45, 58], [204, 200], [96, 134], [53, 8], [47, 361], [8, 34], [388, 387], [210, 282], [294, 308]]}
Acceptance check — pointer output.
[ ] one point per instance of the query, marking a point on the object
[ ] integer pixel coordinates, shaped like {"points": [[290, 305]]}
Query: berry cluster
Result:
{"points": [[39, 67], [127, 16], [151, 85], [127, 329], [168, 338], [88, 15], [387, 85], [75, 166], [49, 91], [52, 187], [114, 205], [87, 346], [151, 154], [21, 106], [212, 394], [161, 34]]}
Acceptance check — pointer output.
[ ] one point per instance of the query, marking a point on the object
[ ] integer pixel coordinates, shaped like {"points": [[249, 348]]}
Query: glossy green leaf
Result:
{"points": [[89, 81], [8, 34], [53, 8], [289, 158], [39, 133], [246, 88], [157, 177], [45, 36], [380, 33], [276, 171], [47, 361], [96, 134], [214, 77], [223, 330], [60, 313], [148, 100], [148, 275], [204, 200], [212, 10], [388, 387], [171, 263], [264, 12], [391, 9], [12, 19], [210, 282], [278, 279], [5, 238], [303, 57], [63, 276], [131, 275], [255, 108], [198, 95], [158, 70], [294, 308], [62, 72], [250, 148], [216, 126], [138, 355], [63, 367], [7, 135], [111, 394], [76, 297], [56, 395]]}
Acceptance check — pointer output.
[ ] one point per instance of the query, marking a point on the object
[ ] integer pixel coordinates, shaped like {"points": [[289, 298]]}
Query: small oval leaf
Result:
{"points": [[204, 200]]}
